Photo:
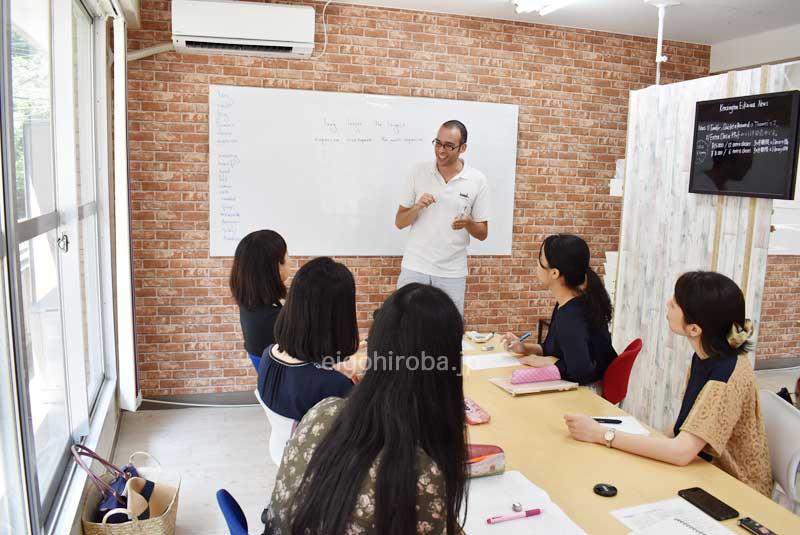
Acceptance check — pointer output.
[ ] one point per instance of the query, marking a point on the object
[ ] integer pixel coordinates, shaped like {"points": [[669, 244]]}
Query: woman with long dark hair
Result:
{"points": [[391, 458], [578, 342], [257, 283], [720, 417]]}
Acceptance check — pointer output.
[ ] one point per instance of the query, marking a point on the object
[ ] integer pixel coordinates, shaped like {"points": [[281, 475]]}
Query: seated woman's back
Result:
{"points": [[315, 329], [391, 458], [257, 282], [430, 504]]}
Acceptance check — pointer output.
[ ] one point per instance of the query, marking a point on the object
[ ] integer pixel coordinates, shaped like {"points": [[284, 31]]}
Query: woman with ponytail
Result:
{"points": [[578, 343], [720, 417]]}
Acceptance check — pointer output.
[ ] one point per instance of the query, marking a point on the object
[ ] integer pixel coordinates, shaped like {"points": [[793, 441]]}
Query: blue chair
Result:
{"points": [[255, 360], [234, 516]]}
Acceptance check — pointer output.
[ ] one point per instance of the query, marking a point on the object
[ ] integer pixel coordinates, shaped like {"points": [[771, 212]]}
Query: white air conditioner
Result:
{"points": [[249, 28]]}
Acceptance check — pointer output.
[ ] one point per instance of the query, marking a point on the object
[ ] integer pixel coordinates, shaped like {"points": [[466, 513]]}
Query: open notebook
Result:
{"points": [[679, 526], [674, 516]]}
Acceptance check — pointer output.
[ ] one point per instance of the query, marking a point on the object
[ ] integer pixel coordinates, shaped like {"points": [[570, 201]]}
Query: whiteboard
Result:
{"points": [[325, 170]]}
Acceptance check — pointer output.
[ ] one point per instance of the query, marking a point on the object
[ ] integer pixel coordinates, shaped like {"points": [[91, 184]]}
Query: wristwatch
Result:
{"points": [[608, 436]]}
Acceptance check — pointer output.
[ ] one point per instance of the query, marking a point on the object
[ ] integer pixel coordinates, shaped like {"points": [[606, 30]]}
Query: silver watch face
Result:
{"points": [[609, 435]]}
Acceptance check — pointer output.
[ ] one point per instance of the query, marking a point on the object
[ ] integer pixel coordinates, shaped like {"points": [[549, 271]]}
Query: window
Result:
{"points": [[12, 496], [86, 201], [43, 364], [57, 276]]}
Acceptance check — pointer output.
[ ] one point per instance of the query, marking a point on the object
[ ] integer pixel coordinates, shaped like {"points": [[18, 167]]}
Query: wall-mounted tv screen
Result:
{"points": [[746, 146]]}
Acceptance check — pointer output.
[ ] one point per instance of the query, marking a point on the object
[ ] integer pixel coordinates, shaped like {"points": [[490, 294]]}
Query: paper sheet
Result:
{"points": [[629, 425], [490, 360], [493, 496], [649, 515], [466, 346]]}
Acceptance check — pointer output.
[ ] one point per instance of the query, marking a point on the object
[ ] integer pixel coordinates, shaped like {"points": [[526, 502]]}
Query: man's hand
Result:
{"points": [[461, 222], [426, 200], [406, 216]]}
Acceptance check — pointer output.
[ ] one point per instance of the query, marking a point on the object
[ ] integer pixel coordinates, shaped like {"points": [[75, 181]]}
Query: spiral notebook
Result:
{"points": [[679, 526], [675, 516]]}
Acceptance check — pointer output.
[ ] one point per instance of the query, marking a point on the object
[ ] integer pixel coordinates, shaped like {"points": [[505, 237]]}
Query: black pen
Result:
{"points": [[607, 421]]}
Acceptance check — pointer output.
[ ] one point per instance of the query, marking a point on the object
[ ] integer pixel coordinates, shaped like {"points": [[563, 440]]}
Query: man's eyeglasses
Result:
{"points": [[449, 146]]}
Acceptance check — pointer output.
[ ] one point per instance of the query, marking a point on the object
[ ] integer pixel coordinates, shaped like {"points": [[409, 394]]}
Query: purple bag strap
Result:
{"points": [[79, 451]]}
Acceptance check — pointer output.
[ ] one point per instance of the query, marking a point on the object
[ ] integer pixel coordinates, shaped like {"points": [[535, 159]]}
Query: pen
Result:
{"points": [[506, 518], [525, 336], [607, 421]]}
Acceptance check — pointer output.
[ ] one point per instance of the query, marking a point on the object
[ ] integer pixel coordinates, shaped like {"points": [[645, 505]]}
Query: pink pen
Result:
{"points": [[506, 518]]}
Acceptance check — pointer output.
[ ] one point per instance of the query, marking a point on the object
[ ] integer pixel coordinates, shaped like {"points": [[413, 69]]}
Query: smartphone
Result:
{"points": [[713, 507], [475, 414], [748, 524]]}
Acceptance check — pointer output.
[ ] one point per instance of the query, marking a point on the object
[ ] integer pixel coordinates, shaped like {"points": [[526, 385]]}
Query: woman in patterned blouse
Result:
{"points": [[720, 417], [391, 458]]}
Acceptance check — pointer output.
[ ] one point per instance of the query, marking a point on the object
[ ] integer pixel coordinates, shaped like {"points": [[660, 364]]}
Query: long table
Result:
{"points": [[531, 430]]}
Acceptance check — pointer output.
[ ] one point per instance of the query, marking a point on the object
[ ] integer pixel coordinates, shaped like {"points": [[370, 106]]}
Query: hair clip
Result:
{"points": [[739, 335]]}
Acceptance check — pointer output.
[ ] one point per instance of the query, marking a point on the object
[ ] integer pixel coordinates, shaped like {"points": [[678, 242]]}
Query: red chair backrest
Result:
{"points": [[615, 380]]}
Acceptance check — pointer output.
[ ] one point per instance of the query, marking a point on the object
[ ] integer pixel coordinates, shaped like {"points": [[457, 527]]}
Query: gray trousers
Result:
{"points": [[454, 287]]}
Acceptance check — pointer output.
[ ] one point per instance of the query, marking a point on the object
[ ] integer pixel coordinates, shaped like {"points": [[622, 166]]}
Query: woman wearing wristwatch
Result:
{"points": [[720, 418]]}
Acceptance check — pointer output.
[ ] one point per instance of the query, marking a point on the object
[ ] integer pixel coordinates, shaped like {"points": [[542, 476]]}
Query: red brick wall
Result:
{"points": [[779, 335], [572, 88]]}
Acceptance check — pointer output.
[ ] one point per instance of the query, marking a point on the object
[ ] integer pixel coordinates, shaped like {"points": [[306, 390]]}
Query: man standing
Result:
{"points": [[445, 203]]}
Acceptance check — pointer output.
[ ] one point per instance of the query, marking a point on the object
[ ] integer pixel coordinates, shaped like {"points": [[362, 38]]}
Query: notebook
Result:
{"points": [[679, 526], [490, 360], [494, 495], [531, 388], [674, 516]]}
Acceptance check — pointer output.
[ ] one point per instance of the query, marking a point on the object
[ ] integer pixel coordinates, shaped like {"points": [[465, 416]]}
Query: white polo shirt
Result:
{"points": [[433, 247]]}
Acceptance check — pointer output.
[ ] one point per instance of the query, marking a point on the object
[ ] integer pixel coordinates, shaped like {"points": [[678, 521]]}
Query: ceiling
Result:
{"points": [[695, 21]]}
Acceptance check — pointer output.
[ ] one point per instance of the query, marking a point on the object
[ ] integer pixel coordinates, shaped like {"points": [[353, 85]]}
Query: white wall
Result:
{"points": [[773, 46]]}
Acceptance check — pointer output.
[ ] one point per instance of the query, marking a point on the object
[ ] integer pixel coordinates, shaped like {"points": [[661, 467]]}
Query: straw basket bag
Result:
{"points": [[153, 516]]}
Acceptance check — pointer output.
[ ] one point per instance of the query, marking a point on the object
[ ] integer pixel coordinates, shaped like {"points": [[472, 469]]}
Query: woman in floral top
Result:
{"points": [[390, 459]]}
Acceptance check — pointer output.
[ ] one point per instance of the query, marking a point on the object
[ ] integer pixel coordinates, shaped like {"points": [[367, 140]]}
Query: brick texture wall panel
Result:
{"points": [[572, 88]]}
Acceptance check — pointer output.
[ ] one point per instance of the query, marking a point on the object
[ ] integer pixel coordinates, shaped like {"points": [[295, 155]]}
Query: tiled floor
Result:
{"points": [[212, 448], [216, 448]]}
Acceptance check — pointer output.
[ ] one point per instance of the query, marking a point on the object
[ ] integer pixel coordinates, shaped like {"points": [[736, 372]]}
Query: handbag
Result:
{"points": [[112, 491], [151, 503]]}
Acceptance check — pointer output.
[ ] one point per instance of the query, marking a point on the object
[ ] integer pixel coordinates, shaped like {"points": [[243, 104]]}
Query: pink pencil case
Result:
{"points": [[535, 375]]}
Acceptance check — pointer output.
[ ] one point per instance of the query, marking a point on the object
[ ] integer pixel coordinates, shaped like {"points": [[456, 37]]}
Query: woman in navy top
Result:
{"points": [[257, 282], [578, 343], [315, 331]]}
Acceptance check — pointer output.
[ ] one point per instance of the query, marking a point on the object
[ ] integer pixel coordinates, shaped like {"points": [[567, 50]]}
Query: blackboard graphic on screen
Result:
{"points": [[746, 146]]}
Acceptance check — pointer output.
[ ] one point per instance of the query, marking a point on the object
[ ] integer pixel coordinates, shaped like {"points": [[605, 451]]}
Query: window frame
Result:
{"points": [[57, 513], [11, 448]]}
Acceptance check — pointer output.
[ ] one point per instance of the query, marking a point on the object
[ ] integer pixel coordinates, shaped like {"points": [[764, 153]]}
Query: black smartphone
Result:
{"points": [[713, 507], [748, 524]]}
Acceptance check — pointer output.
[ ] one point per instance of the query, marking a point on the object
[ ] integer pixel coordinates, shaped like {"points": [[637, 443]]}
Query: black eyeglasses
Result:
{"points": [[449, 146]]}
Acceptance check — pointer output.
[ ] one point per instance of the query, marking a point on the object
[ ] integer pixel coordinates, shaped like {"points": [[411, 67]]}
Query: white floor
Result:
{"points": [[212, 448], [774, 380]]}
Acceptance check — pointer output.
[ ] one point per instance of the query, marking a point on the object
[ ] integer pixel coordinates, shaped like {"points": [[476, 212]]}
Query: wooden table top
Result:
{"points": [[531, 431]]}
